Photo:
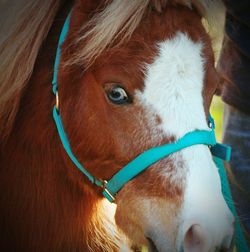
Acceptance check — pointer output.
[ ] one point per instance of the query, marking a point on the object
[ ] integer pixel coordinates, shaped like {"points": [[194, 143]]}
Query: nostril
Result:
{"points": [[151, 245], [194, 239]]}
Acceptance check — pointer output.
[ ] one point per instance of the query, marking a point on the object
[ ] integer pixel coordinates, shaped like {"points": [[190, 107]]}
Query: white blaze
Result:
{"points": [[173, 91]]}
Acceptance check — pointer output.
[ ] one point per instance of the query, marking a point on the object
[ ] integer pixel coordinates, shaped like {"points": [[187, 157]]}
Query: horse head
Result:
{"points": [[132, 75], [126, 96]]}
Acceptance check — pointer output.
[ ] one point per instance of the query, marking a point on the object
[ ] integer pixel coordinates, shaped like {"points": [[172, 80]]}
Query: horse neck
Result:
{"points": [[43, 209]]}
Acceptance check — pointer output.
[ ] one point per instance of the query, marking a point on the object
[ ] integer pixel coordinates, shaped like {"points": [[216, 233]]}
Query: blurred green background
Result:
{"points": [[216, 111]]}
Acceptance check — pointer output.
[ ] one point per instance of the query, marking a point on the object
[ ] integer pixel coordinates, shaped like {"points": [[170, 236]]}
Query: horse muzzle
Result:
{"points": [[195, 240]]}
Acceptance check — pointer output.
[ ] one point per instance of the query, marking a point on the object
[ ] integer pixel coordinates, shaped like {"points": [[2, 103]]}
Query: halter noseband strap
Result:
{"points": [[144, 160]]}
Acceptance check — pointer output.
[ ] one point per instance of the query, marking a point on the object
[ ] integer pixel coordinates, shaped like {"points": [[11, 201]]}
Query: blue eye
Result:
{"points": [[118, 95]]}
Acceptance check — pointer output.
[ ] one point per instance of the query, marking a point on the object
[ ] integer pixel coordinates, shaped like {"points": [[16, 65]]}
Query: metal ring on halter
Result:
{"points": [[104, 183], [57, 101]]}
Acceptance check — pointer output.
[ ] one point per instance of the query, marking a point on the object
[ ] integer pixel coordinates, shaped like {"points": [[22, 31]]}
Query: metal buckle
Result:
{"points": [[57, 101], [104, 183]]}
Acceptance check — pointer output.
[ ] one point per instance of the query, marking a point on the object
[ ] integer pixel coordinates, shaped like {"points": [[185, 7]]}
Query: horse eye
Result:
{"points": [[118, 95]]}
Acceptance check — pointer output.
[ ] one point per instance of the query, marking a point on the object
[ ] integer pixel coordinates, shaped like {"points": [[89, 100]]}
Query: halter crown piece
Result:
{"points": [[142, 162]]}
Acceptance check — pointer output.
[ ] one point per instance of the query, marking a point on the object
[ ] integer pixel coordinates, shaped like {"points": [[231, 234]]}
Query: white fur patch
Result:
{"points": [[173, 91], [173, 86]]}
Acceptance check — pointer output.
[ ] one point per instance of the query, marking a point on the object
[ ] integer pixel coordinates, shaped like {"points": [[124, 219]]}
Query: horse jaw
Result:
{"points": [[102, 232]]}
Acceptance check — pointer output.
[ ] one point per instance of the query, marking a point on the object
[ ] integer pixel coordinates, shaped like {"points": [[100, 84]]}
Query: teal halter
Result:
{"points": [[141, 162], [146, 159]]}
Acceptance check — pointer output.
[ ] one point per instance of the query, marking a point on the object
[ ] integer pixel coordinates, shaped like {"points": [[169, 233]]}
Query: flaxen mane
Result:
{"points": [[25, 25], [120, 18]]}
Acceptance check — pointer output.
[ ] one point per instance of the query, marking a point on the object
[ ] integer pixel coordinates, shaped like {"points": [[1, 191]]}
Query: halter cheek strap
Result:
{"points": [[62, 37], [56, 114]]}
